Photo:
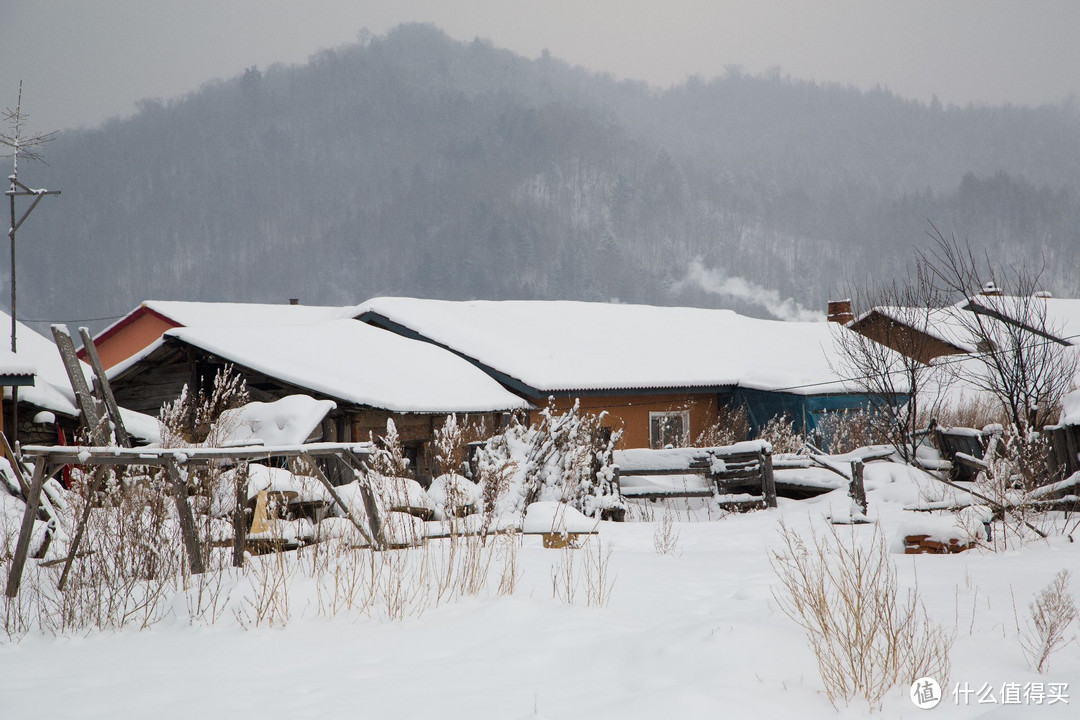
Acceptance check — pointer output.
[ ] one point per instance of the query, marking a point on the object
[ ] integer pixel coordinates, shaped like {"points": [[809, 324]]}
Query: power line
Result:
{"points": [[71, 320]]}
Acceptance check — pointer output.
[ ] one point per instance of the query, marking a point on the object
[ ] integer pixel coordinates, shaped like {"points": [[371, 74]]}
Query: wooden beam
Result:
{"points": [[354, 461], [92, 418], [101, 384], [373, 539], [22, 548], [187, 521], [156, 456], [239, 511]]}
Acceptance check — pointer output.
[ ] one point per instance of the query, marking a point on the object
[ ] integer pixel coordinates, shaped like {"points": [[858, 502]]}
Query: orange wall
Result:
{"points": [[631, 412], [143, 329]]}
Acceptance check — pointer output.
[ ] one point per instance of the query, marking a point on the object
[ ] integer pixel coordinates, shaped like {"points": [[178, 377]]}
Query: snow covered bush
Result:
{"points": [[732, 425], [452, 442], [563, 457], [454, 496], [191, 418], [867, 639], [780, 433], [389, 458], [1014, 477]]}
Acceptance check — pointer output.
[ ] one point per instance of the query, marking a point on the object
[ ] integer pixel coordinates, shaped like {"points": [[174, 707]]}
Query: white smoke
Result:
{"points": [[715, 282]]}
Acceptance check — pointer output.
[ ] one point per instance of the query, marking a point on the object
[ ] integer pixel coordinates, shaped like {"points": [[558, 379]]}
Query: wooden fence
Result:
{"points": [[742, 469]]}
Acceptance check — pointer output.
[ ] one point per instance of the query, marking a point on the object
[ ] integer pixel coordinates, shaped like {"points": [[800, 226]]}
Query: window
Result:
{"points": [[668, 428]]}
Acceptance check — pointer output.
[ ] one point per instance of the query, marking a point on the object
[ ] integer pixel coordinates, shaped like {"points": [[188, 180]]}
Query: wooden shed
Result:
{"points": [[371, 375]]}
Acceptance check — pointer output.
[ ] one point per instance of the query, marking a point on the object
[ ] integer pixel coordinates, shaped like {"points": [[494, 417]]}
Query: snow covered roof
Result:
{"points": [[945, 324], [51, 389], [1062, 315], [562, 346], [217, 314], [213, 314], [11, 364], [356, 363]]}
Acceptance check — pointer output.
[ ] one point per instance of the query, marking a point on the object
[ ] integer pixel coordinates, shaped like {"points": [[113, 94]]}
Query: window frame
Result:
{"points": [[683, 415]]}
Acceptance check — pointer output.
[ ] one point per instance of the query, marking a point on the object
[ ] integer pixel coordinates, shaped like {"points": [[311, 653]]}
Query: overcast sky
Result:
{"points": [[84, 62]]}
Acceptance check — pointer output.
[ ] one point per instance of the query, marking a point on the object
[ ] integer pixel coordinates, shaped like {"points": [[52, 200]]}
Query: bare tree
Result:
{"points": [[1021, 360], [888, 351]]}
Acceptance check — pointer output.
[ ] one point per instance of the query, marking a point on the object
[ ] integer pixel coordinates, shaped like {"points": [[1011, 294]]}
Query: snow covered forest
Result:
{"points": [[414, 164]]}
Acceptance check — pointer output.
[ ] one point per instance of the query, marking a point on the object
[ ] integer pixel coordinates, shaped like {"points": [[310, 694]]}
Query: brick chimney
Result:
{"points": [[840, 311], [990, 289]]}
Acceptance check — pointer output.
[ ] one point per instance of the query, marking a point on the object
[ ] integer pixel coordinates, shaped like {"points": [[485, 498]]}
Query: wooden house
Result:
{"points": [[929, 333], [922, 334], [660, 374], [372, 376]]}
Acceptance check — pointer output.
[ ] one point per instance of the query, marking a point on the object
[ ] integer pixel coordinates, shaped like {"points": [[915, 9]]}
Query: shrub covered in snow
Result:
{"points": [[563, 457]]}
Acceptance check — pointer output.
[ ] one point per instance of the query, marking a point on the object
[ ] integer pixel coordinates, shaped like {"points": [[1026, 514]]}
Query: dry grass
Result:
{"points": [[843, 432], [665, 536], [977, 412], [591, 578], [1053, 612], [866, 638]]}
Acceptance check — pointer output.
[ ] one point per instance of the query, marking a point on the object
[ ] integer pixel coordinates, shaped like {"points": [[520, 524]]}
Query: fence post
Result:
{"points": [[239, 513], [187, 520], [768, 484], [856, 490]]}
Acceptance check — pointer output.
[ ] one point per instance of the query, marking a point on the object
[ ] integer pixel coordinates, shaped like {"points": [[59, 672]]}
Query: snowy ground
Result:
{"points": [[688, 635]]}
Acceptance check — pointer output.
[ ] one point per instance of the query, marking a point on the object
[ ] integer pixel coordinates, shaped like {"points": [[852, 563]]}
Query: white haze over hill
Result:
{"points": [[716, 282]]}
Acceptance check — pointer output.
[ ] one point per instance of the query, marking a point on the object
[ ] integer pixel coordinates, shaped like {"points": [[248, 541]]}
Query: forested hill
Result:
{"points": [[414, 164]]}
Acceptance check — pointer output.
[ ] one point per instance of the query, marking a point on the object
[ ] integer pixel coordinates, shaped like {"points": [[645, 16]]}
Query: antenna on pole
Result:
{"points": [[22, 146]]}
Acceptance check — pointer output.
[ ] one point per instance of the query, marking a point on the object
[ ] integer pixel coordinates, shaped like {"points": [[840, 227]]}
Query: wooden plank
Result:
{"points": [[101, 383], [374, 539], [822, 464], [375, 518], [92, 418], [663, 471], [754, 473], [22, 548], [1072, 441], [16, 466], [187, 521], [651, 494], [111, 455], [1061, 451]]}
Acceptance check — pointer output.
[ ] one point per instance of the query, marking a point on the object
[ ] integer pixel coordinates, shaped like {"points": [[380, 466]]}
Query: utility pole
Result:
{"points": [[21, 147]]}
